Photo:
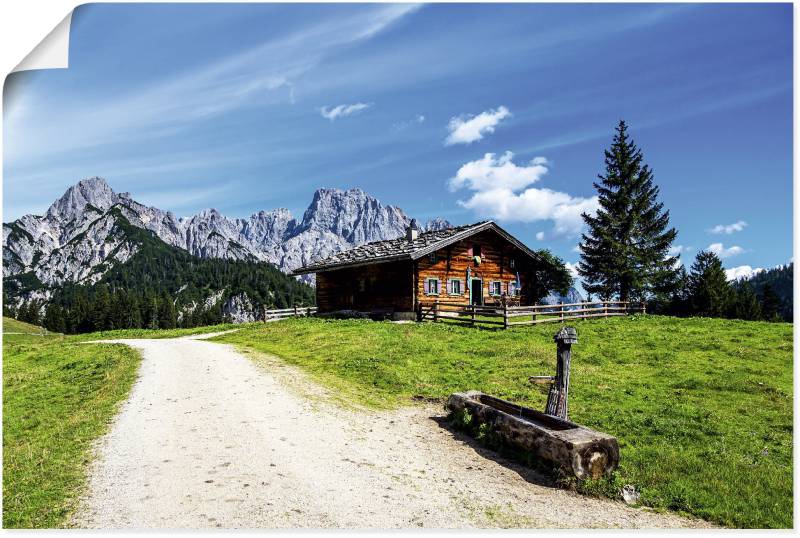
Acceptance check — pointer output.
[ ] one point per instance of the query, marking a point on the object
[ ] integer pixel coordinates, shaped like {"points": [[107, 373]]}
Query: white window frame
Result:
{"points": [[460, 286], [492, 288], [511, 263], [438, 285]]}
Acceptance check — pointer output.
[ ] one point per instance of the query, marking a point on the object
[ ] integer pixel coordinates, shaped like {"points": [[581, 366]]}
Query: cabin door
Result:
{"points": [[476, 291]]}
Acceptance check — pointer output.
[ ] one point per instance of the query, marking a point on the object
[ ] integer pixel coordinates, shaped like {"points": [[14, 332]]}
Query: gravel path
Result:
{"points": [[209, 438]]}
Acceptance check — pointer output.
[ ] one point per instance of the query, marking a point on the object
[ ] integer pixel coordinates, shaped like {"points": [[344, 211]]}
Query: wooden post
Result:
{"points": [[473, 314], [308, 312], [644, 307], [561, 310], [436, 310], [505, 311], [605, 309], [559, 391], [295, 310], [265, 313]]}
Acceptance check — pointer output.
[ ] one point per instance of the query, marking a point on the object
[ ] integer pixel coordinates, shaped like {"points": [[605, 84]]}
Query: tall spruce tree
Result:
{"points": [[625, 252], [709, 291]]}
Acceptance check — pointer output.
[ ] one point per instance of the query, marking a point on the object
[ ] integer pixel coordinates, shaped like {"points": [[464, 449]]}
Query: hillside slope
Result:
{"points": [[143, 282]]}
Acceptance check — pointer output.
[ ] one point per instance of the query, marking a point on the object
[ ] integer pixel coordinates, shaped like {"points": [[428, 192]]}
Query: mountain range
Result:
{"points": [[90, 230]]}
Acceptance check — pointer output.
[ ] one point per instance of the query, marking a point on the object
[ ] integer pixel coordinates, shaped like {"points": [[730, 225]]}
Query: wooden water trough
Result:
{"points": [[576, 449]]}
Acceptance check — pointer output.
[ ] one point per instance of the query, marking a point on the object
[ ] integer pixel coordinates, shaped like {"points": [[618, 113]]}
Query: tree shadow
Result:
{"points": [[506, 457]]}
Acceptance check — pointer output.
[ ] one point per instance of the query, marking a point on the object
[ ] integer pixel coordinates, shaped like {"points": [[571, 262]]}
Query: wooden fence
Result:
{"points": [[504, 316], [272, 315]]}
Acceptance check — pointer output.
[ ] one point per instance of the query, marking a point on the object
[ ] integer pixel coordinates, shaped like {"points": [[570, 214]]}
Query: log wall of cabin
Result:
{"points": [[452, 262], [383, 286]]}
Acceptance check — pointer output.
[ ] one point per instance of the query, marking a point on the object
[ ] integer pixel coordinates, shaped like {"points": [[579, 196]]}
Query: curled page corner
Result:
{"points": [[52, 52]]}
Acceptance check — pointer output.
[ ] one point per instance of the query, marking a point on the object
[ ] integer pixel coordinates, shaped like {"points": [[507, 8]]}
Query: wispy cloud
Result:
{"points": [[416, 120], [720, 250], [239, 80], [742, 271], [501, 190], [728, 229], [468, 129], [342, 111]]}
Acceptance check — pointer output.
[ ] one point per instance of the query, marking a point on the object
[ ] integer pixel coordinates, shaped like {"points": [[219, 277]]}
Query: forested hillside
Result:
{"points": [[778, 281], [160, 286]]}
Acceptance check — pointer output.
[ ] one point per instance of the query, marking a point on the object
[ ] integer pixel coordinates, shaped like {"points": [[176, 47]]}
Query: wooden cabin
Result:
{"points": [[473, 264]]}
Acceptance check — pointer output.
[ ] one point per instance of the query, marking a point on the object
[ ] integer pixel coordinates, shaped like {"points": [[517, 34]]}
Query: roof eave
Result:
{"points": [[324, 268]]}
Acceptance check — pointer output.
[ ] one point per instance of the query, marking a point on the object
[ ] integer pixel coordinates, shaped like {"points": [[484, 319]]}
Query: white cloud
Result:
{"points": [[743, 271], [676, 250], [540, 236], [573, 269], [728, 229], [722, 252], [501, 190], [342, 111], [498, 173], [466, 129], [416, 120]]}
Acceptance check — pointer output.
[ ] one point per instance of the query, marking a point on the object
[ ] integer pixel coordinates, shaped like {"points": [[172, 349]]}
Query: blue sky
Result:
{"points": [[460, 111]]}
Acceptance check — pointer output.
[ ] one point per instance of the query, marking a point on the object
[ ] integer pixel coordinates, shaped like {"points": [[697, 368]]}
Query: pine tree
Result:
{"points": [[166, 312], [54, 319], [626, 250], [746, 304], [709, 292], [770, 303]]}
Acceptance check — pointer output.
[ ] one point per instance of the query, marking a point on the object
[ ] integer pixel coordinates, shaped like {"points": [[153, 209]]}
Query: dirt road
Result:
{"points": [[210, 439]]}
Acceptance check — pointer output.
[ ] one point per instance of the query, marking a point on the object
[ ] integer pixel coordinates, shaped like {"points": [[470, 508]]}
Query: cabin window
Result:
{"points": [[432, 286], [513, 290], [495, 287], [362, 284], [511, 263], [432, 257], [455, 286], [476, 249]]}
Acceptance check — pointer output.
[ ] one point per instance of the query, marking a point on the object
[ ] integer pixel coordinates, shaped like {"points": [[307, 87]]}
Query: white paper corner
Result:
{"points": [[52, 52]]}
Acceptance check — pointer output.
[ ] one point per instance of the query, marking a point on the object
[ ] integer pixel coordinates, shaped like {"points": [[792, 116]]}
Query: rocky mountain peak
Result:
{"points": [[91, 191], [334, 221]]}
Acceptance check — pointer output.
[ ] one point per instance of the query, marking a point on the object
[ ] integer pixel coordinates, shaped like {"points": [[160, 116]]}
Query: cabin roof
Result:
{"points": [[404, 249]]}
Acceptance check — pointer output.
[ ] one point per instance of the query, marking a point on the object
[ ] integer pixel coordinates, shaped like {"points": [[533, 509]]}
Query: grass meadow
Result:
{"points": [[59, 395], [702, 407]]}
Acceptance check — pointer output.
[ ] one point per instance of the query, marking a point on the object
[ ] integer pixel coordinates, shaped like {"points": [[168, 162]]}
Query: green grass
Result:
{"points": [[155, 333], [702, 408], [11, 325], [58, 396]]}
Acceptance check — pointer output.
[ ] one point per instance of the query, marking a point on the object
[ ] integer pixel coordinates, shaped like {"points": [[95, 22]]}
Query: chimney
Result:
{"points": [[412, 232]]}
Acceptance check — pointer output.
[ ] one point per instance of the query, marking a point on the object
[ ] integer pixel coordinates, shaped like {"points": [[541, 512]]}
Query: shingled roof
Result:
{"points": [[404, 249]]}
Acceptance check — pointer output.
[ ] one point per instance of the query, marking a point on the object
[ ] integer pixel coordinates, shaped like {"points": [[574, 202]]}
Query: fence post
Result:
{"points": [[473, 315], [436, 310], [308, 312], [505, 311], [644, 307], [561, 310], [265, 313], [605, 309]]}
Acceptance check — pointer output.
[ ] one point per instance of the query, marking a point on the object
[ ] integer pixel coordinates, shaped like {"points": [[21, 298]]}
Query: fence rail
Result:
{"points": [[295, 311], [505, 316]]}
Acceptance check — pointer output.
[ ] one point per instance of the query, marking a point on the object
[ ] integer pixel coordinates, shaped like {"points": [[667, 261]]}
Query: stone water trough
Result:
{"points": [[576, 449]]}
